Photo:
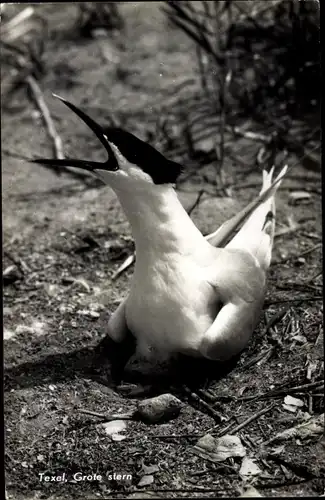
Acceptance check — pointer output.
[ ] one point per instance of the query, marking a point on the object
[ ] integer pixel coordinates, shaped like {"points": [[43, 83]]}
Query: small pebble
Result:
{"points": [[159, 409]]}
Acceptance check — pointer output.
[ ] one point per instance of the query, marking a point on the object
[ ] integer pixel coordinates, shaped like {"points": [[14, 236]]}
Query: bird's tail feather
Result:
{"points": [[257, 233], [228, 229]]}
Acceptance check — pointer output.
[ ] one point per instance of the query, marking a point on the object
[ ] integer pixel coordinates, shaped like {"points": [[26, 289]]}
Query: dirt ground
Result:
{"points": [[65, 240]]}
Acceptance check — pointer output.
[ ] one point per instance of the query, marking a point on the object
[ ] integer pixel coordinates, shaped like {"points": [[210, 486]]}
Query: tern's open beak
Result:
{"points": [[110, 164]]}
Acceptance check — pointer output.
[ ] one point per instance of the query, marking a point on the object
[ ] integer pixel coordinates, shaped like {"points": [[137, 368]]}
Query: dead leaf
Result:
{"points": [[249, 468], [114, 428], [52, 290], [309, 429], [37, 328], [278, 450], [8, 334], [218, 450], [250, 492], [146, 480], [117, 437], [292, 404], [290, 400], [150, 469]]}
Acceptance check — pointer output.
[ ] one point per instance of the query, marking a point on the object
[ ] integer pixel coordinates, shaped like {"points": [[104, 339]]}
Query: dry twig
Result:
{"points": [[106, 416], [209, 410], [249, 420], [284, 391], [17, 26], [39, 100], [124, 266], [270, 302]]}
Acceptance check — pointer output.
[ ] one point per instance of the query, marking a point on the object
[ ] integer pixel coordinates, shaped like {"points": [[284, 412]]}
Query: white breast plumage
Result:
{"points": [[169, 307]]}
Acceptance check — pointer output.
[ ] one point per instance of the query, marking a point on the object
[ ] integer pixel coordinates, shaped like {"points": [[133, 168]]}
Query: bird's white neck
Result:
{"points": [[159, 221]]}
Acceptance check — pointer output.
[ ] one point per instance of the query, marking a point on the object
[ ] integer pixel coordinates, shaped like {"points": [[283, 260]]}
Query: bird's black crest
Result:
{"points": [[145, 156], [136, 151]]}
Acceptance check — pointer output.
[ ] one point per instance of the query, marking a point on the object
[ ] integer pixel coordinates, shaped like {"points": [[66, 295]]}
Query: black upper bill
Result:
{"points": [[110, 164]]}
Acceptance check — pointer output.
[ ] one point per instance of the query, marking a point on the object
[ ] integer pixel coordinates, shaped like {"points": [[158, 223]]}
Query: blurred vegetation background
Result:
{"points": [[257, 76]]}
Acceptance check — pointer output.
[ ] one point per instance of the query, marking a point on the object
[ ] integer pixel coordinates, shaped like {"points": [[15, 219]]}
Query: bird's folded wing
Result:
{"points": [[220, 237], [236, 276], [239, 284], [231, 330]]}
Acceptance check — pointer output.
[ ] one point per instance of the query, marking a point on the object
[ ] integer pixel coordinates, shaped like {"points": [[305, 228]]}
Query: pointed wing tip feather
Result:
{"points": [[219, 237], [264, 177], [281, 174]]}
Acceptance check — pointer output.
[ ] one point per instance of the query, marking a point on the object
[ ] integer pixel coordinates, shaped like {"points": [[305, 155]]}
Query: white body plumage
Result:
{"points": [[189, 294]]}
